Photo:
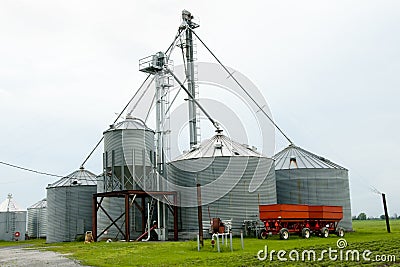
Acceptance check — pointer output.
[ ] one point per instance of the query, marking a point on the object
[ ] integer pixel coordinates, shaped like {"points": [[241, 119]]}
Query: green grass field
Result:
{"points": [[369, 235]]}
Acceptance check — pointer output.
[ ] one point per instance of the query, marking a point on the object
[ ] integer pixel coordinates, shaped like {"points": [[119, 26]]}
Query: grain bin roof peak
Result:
{"points": [[219, 146], [130, 123], [9, 205], [39, 205], [294, 157], [78, 177]]}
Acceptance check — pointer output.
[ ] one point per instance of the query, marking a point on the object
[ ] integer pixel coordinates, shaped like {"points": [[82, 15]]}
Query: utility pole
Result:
{"points": [[386, 212], [200, 214]]}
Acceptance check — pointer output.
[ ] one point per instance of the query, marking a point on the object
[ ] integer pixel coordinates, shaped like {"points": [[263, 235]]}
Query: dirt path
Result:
{"points": [[25, 256]]}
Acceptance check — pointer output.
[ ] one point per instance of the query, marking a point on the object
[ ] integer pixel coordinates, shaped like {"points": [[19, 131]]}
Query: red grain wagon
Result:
{"points": [[304, 220]]}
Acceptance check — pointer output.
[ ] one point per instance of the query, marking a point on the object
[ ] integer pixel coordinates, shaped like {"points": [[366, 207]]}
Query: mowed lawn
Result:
{"points": [[368, 235]]}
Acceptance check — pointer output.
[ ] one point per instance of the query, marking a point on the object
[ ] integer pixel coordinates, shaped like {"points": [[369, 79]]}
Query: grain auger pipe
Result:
{"points": [[214, 123]]}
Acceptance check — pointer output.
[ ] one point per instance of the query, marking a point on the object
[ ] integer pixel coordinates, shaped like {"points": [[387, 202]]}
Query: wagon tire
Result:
{"points": [[340, 232], [306, 233], [263, 234], [324, 232], [284, 234]]}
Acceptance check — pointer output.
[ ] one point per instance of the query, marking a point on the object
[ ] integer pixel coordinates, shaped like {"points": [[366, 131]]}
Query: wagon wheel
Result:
{"points": [[340, 232], [284, 234], [263, 234], [306, 233], [324, 232]]}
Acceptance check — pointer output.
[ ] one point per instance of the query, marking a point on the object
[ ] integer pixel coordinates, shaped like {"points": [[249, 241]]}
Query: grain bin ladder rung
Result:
{"points": [[13, 223]]}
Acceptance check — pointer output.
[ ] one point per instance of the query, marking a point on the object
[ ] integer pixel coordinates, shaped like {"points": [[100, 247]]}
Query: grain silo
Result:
{"points": [[305, 178], [128, 150], [12, 220], [235, 179], [69, 206], [37, 219]]}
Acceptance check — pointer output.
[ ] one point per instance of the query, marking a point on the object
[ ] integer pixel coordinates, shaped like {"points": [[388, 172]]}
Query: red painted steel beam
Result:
{"points": [[127, 232], [94, 218]]}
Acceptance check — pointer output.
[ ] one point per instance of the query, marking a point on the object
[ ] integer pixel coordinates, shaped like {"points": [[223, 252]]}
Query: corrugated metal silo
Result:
{"points": [[214, 160], [12, 220], [37, 219], [305, 178], [69, 206], [128, 150]]}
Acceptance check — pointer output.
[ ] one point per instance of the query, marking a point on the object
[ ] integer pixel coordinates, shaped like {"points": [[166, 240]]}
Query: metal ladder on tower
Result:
{"points": [[182, 44], [196, 89], [167, 122], [13, 228]]}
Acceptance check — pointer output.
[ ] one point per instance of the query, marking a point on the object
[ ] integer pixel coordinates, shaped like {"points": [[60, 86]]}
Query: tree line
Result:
{"points": [[363, 216]]}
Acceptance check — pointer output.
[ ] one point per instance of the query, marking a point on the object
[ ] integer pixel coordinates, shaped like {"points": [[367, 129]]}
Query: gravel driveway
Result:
{"points": [[25, 256]]}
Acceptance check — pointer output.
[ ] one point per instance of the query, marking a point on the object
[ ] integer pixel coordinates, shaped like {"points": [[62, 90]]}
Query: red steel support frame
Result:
{"points": [[127, 231], [143, 215], [94, 215], [127, 194]]}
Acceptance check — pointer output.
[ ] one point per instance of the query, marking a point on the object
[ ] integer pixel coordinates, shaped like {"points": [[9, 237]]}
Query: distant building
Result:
{"points": [[12, 220]]}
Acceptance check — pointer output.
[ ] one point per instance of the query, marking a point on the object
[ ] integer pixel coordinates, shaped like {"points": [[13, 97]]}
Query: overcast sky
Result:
{"points": [[329, 71]]}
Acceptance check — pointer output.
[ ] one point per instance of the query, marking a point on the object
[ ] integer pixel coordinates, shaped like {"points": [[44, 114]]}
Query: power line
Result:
{"points": [[142, 95], [214, 123], [31, 170], [239, 84], [119, 115], [170, 47]]}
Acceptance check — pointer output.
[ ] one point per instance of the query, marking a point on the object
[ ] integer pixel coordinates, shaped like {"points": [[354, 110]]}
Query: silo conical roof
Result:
{"points": [[78, 177], [130, 123], [219, 146], [294, 157], [39, 205], [9, 205]]}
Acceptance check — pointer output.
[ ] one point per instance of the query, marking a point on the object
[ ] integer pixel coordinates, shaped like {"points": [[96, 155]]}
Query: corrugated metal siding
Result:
{"points": [[37, 222], [69, 212], [11, 222], [315, 187], [238, 204], [124, 142]]}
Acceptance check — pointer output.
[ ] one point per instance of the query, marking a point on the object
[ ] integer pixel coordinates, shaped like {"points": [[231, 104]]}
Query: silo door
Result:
{"points": [[80, 227]]}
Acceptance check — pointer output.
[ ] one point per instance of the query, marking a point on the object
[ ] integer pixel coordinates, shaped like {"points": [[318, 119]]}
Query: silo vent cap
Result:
{"points": [[76, 182], [196, 146], [218, 145]]}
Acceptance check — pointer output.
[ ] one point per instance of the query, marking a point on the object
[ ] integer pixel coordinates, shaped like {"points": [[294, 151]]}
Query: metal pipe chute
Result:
{"points": [[214, 123]]}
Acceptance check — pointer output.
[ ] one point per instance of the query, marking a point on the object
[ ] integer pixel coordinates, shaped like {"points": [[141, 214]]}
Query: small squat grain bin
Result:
{"points": [[69, 206], [127, 162], [305, 178], [37, 219], [12, 220]]}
